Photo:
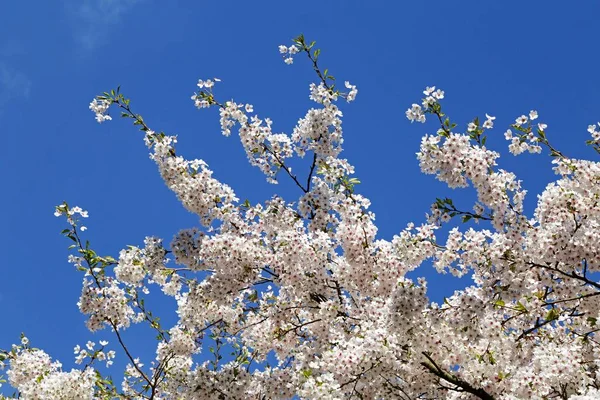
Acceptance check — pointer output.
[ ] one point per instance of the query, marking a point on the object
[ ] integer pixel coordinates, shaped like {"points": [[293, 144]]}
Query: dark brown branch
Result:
{"points": [[432, 367]]}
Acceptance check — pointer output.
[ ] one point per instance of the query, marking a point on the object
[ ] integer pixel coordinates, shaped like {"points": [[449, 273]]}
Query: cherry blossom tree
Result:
{"points": [[308, 302]]}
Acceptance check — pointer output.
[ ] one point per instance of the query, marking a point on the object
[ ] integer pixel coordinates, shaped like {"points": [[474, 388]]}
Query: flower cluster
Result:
{"points": [[33, 373], [526, 138], [100, 108], [288, 53], [352, 93], [592, 129], [73, 214], [89, 352], [309, 301], [105, 304], [415, 113], [319, 131]]}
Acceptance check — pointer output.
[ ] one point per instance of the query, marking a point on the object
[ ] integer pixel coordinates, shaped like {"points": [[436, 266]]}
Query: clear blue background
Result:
{"points": [[503, 58]]}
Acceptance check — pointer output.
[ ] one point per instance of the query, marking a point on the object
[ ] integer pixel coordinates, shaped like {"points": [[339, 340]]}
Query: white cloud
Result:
{"points": [[94, 19], [13, 85]]}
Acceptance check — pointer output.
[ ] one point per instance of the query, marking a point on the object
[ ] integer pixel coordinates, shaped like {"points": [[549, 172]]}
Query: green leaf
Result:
{"points": [[520, 307], [552, 315], [542, 133], [253, 297]]}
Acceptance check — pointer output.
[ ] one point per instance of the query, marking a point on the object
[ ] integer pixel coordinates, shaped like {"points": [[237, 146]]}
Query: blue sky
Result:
{"points": [[503, 58]]}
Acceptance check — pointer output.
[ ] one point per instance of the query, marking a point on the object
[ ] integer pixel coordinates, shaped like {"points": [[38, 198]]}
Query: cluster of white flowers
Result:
{"points": [[90, 353], [308, 285], [33, 373], [523, 119], [181, 343], [592, 129], [319, 131], [528, 141], [415, 113], [487, 124], [100, 108], [105, 304], [207, 84], [73, 214], [202, 100], [432, 96], [191, 181], [135, 264], [518, 146], [288, 53], [264, 149], [351, 96]]}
